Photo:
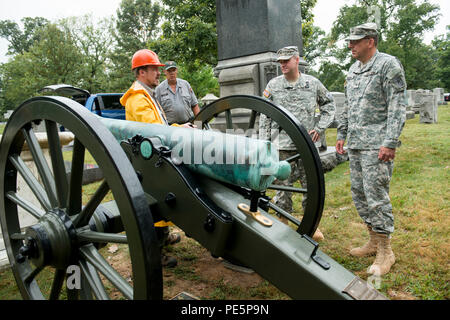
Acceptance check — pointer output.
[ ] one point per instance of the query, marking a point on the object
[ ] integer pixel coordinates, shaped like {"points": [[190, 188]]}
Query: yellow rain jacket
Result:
{"points": [[141, 107]]}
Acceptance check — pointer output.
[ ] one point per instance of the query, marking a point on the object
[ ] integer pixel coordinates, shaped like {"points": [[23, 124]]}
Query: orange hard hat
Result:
{"points": [[145, 57]]}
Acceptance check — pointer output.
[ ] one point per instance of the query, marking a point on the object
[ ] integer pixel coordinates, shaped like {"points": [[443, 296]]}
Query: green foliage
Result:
{"points": [[54, 59], [314, 48], [402, 24], [21, 40], [309, 31], [2, 93], [189, 37], [136, 23], [189, 33], [332, 76], [202, 80], [94, 42], [136, 28], [442, 50]]}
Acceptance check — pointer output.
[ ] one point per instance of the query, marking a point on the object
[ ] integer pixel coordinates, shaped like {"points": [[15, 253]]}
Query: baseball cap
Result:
{"points": [[170, 64], [362, 31], [287, 52]]}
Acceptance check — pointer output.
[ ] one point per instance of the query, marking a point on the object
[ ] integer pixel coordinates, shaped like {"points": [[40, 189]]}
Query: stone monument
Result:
{"points": [[249, 35]]}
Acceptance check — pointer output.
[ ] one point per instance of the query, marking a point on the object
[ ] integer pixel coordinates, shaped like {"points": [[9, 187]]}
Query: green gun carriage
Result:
{"points": [[215, 204]]}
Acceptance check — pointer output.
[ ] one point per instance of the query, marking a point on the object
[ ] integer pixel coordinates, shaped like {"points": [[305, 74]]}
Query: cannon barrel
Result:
{"points": [[233, 159]]}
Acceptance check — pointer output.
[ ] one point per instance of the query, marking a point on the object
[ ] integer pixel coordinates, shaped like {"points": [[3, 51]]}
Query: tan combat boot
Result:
{"points": [[385, 257], [318, 235], [370, 248]]}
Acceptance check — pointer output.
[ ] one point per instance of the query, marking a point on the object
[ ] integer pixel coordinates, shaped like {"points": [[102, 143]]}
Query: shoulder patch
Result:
{"points": [[267, 94], [398, 82]]}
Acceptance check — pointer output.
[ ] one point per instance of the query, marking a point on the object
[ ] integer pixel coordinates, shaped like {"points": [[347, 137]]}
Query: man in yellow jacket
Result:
{"points": [[141, 105]]}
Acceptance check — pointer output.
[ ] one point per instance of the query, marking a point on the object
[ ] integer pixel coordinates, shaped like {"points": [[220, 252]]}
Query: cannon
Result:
{"points": [[223, 206]]}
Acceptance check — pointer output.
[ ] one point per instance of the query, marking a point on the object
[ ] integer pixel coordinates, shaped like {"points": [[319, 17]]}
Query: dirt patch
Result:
{"points": [[197, 273], [207, 278], [399, 295]]}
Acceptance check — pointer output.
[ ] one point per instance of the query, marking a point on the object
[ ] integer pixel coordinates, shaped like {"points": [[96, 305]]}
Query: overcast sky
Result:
{"points": [[325, 13]]}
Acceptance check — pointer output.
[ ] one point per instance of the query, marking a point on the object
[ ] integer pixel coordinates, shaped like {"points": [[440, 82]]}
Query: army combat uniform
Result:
{"points": [[374, 116], [302, 99]]}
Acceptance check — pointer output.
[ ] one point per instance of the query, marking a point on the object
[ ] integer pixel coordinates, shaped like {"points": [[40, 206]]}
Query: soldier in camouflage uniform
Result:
{"points": [[374, 116], [301, 94]]}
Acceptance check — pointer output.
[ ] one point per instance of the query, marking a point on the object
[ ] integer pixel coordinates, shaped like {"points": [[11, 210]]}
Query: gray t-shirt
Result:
{"points": [[177, 105]]}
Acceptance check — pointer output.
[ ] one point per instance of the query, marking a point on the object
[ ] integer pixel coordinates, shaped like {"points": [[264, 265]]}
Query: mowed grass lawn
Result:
{"points": [[420, 198]]}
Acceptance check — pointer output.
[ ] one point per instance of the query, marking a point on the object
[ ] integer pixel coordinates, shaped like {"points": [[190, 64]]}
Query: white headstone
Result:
{"points": [[427, 104], [339, 100], [439, 92], [209, 98]]}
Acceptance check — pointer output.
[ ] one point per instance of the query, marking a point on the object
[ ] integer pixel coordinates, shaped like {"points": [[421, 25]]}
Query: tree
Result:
{"points": [[20, 41], [401, 23], [136, 28], [189, 33], [54, 59], [332, 76], [2, 92], [308, 28], [441, 46], [94, 42]]}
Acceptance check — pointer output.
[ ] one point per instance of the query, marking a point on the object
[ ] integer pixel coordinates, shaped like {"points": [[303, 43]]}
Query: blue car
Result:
{"points": [[106, 105]]}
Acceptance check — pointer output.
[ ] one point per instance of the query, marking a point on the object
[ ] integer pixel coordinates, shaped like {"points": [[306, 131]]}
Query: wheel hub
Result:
{"points": [[51, 242]]}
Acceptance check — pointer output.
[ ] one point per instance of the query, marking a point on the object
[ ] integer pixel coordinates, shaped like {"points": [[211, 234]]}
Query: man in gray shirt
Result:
{"points": [[176, 96]]}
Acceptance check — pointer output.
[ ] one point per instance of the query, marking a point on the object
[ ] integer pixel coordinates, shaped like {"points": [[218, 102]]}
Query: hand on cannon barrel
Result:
{"points": [[314, 135], [189, 125]]}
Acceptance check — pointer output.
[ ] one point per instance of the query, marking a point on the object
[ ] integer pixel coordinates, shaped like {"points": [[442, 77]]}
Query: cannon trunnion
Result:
{"points": [[142, 184]]}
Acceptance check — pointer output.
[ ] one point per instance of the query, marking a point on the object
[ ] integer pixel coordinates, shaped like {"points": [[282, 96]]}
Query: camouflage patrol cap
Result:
{"points": [[287, 52], [362, 31]]}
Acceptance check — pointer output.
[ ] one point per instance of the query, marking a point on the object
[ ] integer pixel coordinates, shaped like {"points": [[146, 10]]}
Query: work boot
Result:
{"points": [[172, 238], [318, 235], [168, 262], [385, 257], [370, 248]]}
